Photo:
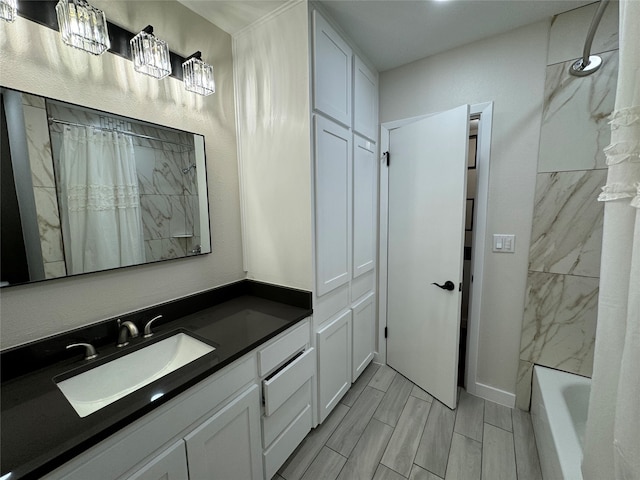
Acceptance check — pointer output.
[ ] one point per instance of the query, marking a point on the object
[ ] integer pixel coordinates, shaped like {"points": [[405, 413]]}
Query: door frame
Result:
{"points": [[485, 112]]}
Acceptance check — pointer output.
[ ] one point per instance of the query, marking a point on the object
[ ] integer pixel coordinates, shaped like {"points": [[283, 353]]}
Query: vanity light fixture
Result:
{"points": [[8, 11], [83, 26], [150, 54], [198, 75]]}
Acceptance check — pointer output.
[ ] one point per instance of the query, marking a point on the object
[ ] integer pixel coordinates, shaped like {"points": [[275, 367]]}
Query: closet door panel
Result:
{"points": [[364, 206], [333, 205], [365, 98], [364, 333], [331, 72]]}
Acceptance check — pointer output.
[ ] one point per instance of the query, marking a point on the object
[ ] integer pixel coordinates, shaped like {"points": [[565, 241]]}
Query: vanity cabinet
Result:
{"points": [[288, 367], [223, 410], [169, 465], [227, 445], [243, 422]]}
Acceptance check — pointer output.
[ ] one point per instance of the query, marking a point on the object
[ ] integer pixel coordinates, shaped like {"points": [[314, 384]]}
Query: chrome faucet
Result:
{"points": [[147, 328], [126, 329]]}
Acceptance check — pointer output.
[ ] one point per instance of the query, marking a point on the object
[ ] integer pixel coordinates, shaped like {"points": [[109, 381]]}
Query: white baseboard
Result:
{"points": [[493, 394]]}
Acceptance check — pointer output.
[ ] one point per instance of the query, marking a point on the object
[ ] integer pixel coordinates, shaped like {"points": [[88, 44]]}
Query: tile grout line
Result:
{"points": [[515, 453]]}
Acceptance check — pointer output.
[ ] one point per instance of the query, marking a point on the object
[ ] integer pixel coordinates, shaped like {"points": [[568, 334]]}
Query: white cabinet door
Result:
{"points": [[169, 465], [365, 98], [331, 72], [364, 206], [333, 205], [228, 446], [334, 365], [364, 334]]}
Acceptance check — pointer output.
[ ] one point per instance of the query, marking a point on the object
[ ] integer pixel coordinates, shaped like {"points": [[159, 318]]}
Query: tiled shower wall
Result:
{"points": [[564, 258], [44, 185]]}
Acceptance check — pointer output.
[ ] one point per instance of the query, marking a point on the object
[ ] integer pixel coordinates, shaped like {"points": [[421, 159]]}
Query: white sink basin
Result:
{"points": [[96, 388]]}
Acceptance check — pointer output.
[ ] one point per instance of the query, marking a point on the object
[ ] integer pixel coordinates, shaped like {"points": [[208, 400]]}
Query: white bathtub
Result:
{"points": [[559, 405]]}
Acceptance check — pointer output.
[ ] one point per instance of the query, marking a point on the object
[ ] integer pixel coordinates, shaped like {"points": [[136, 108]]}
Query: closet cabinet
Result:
{"points": [[334, 367], [309, 173], [345, 213], [365, 100], [364, 206], [332, 59], [333, 204], [364, 335]]}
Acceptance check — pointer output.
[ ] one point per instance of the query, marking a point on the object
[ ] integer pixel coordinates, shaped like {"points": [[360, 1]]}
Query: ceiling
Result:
{"points": [[395, 32]]}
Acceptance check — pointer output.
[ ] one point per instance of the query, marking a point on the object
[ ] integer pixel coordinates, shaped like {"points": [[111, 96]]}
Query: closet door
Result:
{"points": [[331, 72], [364, 206], [365, 99], [334, 363], [364, 335], [333, 205]]}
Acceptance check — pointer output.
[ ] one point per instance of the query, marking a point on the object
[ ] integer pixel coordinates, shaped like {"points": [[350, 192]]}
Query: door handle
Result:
{"points": [[448, 285]]}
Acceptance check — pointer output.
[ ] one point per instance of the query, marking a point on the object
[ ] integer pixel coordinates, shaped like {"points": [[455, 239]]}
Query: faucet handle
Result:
{"points": [[90, 352], [147, 327]]}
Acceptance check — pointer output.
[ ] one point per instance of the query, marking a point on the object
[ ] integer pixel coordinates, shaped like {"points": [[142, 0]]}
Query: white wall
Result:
{"points": [[508, 69], [271, 59], [35, 60]]}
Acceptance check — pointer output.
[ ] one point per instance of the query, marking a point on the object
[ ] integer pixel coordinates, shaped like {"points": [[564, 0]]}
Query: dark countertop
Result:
{"points": [[40, 428]]}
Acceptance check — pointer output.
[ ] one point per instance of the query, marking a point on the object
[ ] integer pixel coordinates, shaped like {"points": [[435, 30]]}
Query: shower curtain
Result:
{"points": [[100, 211], [612, 438]]}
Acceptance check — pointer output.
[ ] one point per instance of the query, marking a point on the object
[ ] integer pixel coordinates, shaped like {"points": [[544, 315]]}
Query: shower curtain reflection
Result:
{"points": [[100, 201]]}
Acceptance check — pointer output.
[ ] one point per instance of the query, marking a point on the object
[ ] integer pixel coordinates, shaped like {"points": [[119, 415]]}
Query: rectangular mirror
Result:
{"points": [[85, 190]]}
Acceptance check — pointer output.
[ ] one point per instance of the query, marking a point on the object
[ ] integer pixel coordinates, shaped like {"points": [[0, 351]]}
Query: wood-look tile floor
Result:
{"points": [[386, 428]]}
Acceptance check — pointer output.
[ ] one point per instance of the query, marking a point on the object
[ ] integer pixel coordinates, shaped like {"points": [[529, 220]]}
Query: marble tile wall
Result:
{"points": [[44, 186], [559, 320]]}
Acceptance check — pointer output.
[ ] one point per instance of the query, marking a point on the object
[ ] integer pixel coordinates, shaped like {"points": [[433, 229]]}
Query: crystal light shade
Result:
{"points": [[150, 54], [83, 26], [8, 10], [198, 76]]}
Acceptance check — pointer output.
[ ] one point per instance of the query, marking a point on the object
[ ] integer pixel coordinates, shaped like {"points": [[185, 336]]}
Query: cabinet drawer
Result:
{"points": [[276, 353], [281, 386], [273, 425], [284, 446]]}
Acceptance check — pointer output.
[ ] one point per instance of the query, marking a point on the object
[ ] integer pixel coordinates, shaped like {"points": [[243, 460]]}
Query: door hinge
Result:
{"points": [[387, 157], [386, 332]]}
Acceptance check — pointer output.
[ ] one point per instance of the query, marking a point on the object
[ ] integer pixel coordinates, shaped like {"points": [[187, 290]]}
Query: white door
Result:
{"points": [[427, 184]]}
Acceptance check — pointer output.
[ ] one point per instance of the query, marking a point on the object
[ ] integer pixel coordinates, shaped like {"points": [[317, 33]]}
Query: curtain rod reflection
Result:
{"points": [[139, 135]]}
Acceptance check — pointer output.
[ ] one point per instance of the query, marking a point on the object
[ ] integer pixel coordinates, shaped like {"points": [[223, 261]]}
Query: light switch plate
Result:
{"points": [[504, 243]]}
